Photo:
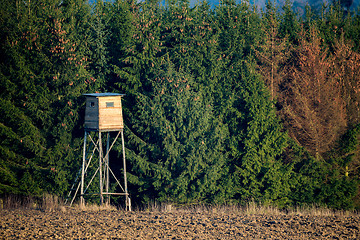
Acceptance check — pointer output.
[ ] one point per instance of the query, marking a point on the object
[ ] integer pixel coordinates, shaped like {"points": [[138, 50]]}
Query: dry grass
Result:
{"points": [[251, 208], [16, 201], [313, 210], [52, 203], [91, 207], [47, 202]]}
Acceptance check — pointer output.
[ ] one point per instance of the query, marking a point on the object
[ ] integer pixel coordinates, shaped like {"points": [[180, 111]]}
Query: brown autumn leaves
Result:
{"points": [[317, 88]]}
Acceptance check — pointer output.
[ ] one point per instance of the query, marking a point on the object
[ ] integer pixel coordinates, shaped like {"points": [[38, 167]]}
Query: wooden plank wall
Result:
{"points": [[92, 113], [110, 117], [101, 116]]}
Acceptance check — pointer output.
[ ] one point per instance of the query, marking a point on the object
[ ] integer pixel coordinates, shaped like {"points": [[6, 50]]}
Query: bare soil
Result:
{"points": [[114, 224]]}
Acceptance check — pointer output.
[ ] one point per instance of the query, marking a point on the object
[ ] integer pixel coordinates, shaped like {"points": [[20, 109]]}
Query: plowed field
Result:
{"points": [[106, 224]]}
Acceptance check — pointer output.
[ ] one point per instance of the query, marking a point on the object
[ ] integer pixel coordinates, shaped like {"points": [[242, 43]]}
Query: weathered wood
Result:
{"points": [[103, 112]]}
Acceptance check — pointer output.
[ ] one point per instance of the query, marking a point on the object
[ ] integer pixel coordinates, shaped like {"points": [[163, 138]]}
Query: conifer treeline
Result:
{"points": [[223, 105]]}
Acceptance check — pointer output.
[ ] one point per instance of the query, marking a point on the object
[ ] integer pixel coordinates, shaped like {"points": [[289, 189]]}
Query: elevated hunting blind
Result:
{"points": [[103, 114]]}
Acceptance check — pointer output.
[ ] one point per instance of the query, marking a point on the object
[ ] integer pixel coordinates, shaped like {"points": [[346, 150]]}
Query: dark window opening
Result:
{"points": [[92, 104]]}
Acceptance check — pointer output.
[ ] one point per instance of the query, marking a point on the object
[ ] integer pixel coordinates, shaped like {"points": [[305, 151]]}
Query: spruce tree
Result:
{"points": [[272, 52], [256, 143], [179, 147], [289, 25], [43, 76], [99, 45], [139, 63]]}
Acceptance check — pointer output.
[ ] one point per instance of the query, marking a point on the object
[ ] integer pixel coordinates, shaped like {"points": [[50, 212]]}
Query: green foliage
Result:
{"points": [[43, 77], [183, 142], [256, 143], [140, 49], [289, 25], [320, 183], [200, 122], [98, 44], [339, 193]]}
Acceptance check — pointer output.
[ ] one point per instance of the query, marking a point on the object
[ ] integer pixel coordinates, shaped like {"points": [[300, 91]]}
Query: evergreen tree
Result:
{"points": [[273, 52], [99, 44], [347, 153], [139, 63], [122, 30], [200, 125], [320, 182], [43, 77], [289, 25], [190, 36], [178, 155], [352, 30], [239, 31], [330, 24], [256, 143]]}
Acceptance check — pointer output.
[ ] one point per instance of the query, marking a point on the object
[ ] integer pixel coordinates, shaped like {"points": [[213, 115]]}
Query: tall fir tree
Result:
{"points": [[289, 24], [177, 155], [43, 75], [256, 143]]}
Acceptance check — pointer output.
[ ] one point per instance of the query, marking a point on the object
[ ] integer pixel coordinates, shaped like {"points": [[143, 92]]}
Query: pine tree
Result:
{"points": [[121, 35], [139, 63], [347, 153], [190, 36], [352, 30], [331, 24], [239, 31]]}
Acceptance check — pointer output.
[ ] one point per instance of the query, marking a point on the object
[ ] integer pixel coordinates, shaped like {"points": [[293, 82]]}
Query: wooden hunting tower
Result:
{"points": [[103, 113]]}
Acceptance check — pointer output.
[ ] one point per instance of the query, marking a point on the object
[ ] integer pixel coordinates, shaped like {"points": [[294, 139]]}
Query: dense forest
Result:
{"points": [[223, 104]]}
